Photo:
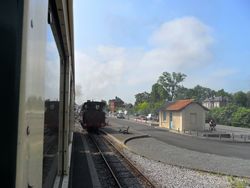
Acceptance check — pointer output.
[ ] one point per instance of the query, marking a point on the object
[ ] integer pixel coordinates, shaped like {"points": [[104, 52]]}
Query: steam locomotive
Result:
{"points": [[93, 116]]}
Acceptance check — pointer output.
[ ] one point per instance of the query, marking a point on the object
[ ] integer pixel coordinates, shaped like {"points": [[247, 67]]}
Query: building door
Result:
{"points": [[170, 120], [193, 120]]}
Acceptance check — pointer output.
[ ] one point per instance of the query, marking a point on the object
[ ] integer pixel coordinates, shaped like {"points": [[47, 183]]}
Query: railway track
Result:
{"points": [[143, 179], [50, 144], [49, 158], [113, 168]]}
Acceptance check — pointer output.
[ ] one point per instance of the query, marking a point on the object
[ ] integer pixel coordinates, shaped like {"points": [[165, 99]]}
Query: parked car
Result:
{"points": [[120, 116], [149, 117], [155, 118], [141, 117]]}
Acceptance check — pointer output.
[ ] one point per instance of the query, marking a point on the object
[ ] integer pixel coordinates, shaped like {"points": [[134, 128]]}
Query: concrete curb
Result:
{"points": [[114, 138], [127, 139], [135, 137]]}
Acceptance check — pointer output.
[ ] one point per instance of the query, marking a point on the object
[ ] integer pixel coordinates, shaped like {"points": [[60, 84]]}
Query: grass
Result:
{"points": [[237, 182]]}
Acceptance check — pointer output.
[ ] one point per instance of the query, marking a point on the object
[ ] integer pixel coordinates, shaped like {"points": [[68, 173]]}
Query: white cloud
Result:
{"points": [[181, 42], [180, 45]]}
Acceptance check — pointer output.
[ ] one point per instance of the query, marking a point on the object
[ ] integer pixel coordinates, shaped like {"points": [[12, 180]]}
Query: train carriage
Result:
{"points": [[28, 29], [93, 116]]}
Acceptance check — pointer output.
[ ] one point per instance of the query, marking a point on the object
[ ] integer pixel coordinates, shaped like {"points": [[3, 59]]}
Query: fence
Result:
{"points": [[220, 135]]}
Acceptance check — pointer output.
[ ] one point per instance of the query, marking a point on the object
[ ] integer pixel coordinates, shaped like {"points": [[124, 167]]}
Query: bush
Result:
{"points": [[231, 115], [223, 115], [241, 118]]}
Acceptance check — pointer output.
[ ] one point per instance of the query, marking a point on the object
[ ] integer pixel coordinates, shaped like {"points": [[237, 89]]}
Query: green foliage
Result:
{"points": [[171, 83], [248, 99], [142, 97], [143, 108], [158, 93], [168, 88], [156, 106], [183, 93], [223, 93], [232, 115], [223, 115], [199, 93], [237, 182], [241, 118], [240, 98]]}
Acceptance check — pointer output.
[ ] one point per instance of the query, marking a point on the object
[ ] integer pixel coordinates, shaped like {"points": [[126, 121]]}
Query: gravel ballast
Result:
{"points": [[173, 176]]}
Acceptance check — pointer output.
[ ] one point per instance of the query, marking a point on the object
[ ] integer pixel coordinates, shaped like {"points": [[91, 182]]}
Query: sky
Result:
{"points": [[123, 46]]}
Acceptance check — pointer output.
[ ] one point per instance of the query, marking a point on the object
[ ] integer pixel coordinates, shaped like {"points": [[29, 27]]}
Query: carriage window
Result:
{"points": [[51, 115], [169, 65]]}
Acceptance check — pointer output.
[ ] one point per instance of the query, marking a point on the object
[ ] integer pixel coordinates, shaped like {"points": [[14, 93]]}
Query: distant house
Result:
{"points": [[182, 115], [115, 103], [214, 102], [112, 105]]}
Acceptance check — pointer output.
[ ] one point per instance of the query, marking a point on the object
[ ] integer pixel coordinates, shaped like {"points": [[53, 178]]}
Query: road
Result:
{"points": [[222, 148]]}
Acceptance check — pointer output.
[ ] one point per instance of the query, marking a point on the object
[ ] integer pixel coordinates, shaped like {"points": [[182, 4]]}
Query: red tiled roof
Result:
{"points": [[179, 105]]}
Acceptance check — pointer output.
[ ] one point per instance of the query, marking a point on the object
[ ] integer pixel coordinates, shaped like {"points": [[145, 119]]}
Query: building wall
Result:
{"points": [[177, 120], [193, 117], [210, 104], [190, 118], [112, 106], [214, 104], [217, 104], [162, 122], [207, 105]]}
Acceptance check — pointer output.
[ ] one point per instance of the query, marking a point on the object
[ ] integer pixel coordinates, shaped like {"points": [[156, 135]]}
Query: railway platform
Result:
{"points": [[123, 134], [85, 168], [156, 150], [82, 171]]}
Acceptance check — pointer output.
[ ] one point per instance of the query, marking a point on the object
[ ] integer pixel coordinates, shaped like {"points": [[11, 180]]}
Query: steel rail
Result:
{"points": [[106, 162], [132, 166]]}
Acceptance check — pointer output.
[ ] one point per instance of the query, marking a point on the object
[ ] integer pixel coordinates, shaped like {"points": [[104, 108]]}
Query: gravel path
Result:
{"points": [[172, 176]]}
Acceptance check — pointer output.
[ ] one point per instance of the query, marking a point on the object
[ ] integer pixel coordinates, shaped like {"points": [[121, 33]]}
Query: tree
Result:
{"points": [[184, 93], [223, 115], [119, 100], [170, 83], [143, 108], [241, 118], [240, 98], [142, 97], [201, 93], [248, 99], [158, 93], [222, 93], [154, 109]]}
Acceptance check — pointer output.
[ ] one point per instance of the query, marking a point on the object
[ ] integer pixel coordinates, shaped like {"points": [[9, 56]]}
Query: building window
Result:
{"points": [[164, 116]]}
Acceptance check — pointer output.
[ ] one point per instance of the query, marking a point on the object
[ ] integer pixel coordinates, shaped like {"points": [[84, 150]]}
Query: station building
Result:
{"points": [[183, 115]]}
